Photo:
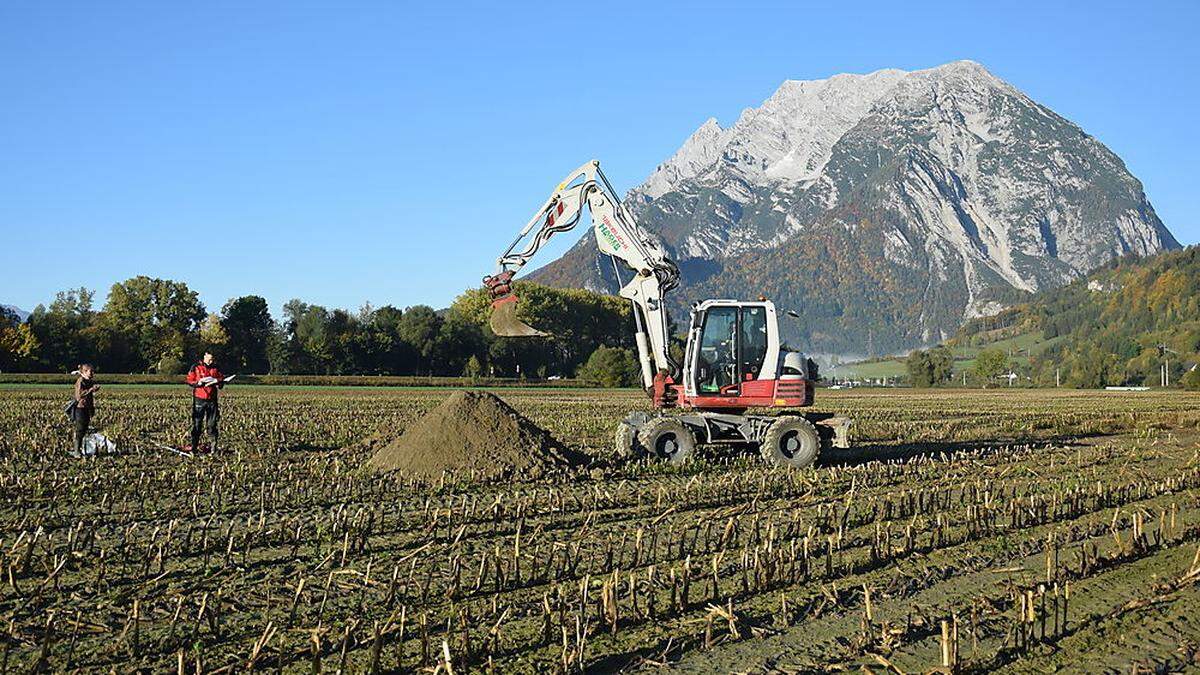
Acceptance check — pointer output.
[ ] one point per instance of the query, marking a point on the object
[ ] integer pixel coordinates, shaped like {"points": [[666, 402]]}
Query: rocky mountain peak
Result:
{"points": [[894, 204], [696, 154]]}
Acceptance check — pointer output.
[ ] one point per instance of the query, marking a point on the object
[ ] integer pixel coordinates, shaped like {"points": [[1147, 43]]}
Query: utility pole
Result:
{"points": [[1164, 370], [1057, 381]]}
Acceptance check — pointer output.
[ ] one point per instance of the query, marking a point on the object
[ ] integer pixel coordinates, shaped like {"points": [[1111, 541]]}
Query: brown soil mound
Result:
{"points": [[474, 433]]}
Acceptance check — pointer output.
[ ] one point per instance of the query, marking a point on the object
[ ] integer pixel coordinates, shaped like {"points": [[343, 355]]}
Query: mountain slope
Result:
{"points": [[887, 208], [1105, 329], [20, 313]]}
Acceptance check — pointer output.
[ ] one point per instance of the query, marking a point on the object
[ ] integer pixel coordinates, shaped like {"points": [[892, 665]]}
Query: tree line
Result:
{"points": [[150, 325]]}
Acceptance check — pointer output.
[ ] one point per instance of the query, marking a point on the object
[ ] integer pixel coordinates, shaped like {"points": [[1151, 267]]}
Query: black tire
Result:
{"points": [[626, 442], [791, 441], [667, 439]]}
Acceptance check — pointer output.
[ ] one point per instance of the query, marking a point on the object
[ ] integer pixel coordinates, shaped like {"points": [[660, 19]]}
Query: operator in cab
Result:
{"points": [[206, 381]]}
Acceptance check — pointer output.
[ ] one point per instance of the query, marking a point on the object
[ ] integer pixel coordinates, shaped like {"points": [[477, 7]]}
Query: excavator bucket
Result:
{"points": [[504, 321]]}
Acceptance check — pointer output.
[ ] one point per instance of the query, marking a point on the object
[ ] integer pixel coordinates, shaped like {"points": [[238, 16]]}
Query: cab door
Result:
{"points": [[714, 357], [753, 342]]}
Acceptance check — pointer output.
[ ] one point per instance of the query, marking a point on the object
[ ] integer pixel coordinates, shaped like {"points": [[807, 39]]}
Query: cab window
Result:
{"points": [[717, 362], [754, 341]]}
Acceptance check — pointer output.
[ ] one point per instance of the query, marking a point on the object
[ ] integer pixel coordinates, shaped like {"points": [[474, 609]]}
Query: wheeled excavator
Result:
{"points": [[732, 361]]}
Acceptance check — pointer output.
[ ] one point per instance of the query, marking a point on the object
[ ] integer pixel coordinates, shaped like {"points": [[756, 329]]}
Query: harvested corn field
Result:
{"points": [[979, 531]]}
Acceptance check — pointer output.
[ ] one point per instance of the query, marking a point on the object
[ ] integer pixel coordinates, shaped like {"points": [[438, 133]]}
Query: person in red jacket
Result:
{"points": [[206, 380]]}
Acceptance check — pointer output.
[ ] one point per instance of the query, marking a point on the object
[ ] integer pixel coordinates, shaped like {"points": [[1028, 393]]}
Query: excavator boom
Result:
{"points": [[618, 235]]}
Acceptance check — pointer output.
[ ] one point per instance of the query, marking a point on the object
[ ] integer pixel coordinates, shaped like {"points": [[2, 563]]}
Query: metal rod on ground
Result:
{"points": [[164, 446]]}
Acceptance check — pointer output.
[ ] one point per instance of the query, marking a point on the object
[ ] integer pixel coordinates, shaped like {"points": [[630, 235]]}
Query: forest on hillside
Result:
{"points": [[1121, 325]]}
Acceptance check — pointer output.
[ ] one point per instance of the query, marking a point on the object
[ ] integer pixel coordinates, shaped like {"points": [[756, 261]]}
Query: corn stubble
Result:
{"points": [[964, 532]]}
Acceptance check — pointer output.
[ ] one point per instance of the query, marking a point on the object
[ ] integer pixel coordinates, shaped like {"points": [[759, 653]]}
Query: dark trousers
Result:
{"points": [[83, 419], [206, 414]]}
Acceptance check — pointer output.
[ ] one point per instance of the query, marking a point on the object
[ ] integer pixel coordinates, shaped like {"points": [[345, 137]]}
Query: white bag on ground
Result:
{"points": [[97, 444]]}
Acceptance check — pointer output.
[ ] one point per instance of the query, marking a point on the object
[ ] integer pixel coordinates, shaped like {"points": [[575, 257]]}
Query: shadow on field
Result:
{"points": [[882, 452], [861, 452]]}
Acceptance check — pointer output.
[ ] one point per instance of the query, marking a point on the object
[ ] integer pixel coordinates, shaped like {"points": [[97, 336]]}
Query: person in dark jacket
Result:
{"points": [[206, 380], [85, 403]]}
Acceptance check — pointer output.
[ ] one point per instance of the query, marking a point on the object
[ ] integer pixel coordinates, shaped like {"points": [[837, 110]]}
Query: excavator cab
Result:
{"points": [[732, 351]]}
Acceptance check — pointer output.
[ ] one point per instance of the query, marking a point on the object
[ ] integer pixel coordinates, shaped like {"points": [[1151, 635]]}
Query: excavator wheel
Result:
{"points": [[627, 444], [668, 439], [791, 441]]}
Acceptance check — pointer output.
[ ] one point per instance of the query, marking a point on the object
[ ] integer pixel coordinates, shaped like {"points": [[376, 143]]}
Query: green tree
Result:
{"points": [[171, 361], [930, 368], [611, 367], [287, 353], [473, 368], [63, 331], [282, 351], [419, 327], [342, 338], [458, 340], [388, 353], [212, 333], [156, 315], [941, 364], [919, 371], [308, 326], [1093, 367], [577, 321], [247, 321], [990, 364], [386, 318]]}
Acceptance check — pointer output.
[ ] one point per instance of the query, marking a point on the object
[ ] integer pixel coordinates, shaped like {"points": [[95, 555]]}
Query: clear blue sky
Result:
{"points": [[386, 152]]}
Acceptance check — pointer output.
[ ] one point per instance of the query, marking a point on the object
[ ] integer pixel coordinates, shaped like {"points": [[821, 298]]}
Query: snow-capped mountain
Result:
{"points": [[886, 208]]}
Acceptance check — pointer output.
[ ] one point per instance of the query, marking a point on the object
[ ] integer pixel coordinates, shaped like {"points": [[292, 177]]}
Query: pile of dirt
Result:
{"points": [[474, 433]]}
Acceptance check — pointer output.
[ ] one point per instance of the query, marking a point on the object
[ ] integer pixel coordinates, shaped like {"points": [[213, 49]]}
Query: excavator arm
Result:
{"points": [[619, 236]]}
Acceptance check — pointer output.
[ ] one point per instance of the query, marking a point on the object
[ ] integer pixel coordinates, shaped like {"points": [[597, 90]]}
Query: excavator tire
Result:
{"points": [[791, 441], [626, 442], [668, 439]]}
